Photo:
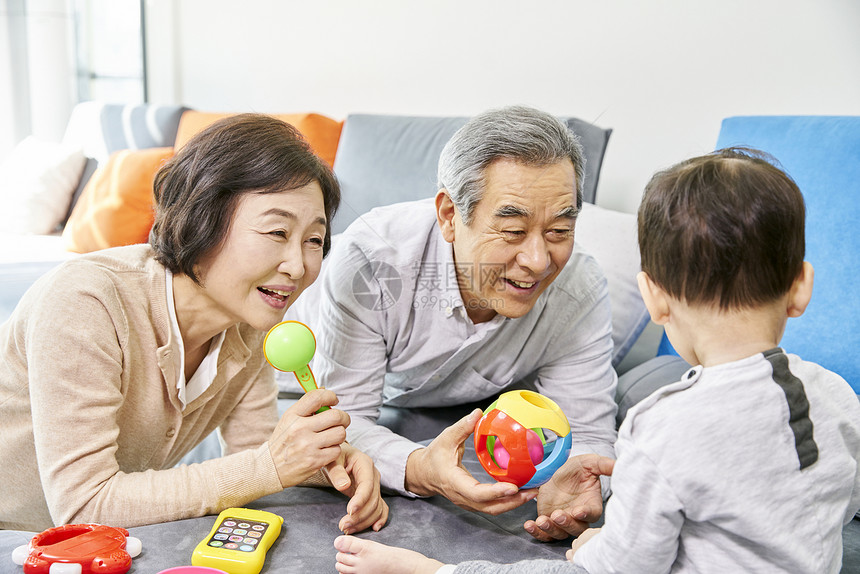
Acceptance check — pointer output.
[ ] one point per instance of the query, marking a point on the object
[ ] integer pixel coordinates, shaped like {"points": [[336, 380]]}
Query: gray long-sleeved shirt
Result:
{"points": [[393, 329], [748, 466]]}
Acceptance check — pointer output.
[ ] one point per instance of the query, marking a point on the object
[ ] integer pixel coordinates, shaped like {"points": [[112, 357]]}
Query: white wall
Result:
{"points": [[51, 66], [12, 95], [662, 74]]}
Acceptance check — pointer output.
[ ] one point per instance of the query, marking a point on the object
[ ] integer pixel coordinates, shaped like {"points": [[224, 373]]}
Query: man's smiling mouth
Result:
{"points": [[521, 284]]}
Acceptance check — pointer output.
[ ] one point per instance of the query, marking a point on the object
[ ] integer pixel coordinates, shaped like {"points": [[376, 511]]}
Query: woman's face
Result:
{"points": [[272, 252]]}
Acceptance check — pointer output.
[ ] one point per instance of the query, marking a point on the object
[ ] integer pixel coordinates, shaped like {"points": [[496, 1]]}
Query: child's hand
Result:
{"points": [[355, 475], [579, 541], [304, 442]]}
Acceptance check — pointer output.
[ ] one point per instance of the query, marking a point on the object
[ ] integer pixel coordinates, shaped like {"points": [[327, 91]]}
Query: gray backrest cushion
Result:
{"points": [[139, 126], [384, 159], [102, 129]]}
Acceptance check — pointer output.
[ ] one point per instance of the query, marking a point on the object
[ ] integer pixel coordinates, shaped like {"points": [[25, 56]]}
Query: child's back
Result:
{"points": [[712, 472], [750, 462]]}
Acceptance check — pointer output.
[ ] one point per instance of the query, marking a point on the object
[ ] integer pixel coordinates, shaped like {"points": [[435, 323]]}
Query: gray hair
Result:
{"points": [[518, 133]]}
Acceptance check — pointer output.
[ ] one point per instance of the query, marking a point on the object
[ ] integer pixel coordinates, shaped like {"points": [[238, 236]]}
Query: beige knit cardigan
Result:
{"points": [[90, 423]]}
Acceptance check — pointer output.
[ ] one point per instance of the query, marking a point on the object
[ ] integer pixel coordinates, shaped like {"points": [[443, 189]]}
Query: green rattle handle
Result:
{"points": [[306, 379]]}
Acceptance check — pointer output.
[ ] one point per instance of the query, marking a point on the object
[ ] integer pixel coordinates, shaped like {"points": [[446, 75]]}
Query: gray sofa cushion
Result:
{"points": [[101, 129], [89, 169], [644, 379], [384, 159]]}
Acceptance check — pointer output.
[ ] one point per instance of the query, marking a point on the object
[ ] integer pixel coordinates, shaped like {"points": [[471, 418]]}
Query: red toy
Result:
{"points": [[78, 549], [523, 438]]}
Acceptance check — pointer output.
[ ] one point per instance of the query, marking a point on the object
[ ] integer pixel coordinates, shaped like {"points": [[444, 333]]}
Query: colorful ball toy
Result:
{"points": [[514, 438]]}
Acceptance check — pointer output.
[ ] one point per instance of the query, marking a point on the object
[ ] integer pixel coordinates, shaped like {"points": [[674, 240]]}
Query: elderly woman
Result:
{"points": [[118, 363]]}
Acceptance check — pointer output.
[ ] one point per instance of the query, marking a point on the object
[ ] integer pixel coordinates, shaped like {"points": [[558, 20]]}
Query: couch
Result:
{"points": [[378, 159], [111, 153]]}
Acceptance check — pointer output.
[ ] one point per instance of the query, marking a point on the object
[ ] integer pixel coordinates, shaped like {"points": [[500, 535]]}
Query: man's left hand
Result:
{"points": [[571, 500]]}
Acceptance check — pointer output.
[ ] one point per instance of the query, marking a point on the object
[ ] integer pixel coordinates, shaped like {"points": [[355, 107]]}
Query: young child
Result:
{"points": [[749, 463]]}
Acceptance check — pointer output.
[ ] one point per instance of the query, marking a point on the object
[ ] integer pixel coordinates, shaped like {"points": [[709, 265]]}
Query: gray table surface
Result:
{"points": [[432, 526]]}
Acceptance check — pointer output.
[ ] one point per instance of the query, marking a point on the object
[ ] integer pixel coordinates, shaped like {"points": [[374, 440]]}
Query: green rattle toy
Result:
{"points": [[289, 346]]}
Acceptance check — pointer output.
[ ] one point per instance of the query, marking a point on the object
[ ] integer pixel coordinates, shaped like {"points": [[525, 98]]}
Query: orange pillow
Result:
{"points": [[116, 206], [321, 132]]}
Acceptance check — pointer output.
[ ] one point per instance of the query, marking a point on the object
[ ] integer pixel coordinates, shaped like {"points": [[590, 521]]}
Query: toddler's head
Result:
{"points": [[725, 229]]}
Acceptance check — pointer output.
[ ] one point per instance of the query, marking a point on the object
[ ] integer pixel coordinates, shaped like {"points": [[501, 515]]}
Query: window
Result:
{"points": [[110, 51]]}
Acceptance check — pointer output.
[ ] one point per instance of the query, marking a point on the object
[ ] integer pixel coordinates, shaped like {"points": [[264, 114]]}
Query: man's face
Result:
{"points": [[519, 239]]}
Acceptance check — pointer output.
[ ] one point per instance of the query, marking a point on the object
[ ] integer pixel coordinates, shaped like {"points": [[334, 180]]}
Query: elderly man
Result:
{"points": [[455, 299]]}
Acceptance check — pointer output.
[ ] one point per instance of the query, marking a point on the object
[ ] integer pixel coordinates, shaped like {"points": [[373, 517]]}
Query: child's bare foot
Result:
{"points": [[356, 555]]}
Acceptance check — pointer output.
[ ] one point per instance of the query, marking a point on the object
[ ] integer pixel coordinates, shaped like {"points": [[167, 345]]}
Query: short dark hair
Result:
{"points": [[724, 228], [198, 189]]}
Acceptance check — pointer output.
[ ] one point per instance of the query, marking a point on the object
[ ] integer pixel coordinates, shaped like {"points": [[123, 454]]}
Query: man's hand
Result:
{"points": [[355, 475], [571, 500], [437, 469], [304, 442]]}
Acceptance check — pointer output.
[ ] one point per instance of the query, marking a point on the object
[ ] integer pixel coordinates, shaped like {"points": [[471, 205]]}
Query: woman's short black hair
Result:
{"points": [[726, 228], [198, 189]]}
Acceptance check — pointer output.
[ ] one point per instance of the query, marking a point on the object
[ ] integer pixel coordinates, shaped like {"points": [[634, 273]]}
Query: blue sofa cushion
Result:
{"points": [[384, 159], [822, 155]]}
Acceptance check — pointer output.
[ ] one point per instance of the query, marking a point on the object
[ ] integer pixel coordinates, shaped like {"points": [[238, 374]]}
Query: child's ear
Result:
{"points": [[656, 299], [801, 291], [445, 215]]}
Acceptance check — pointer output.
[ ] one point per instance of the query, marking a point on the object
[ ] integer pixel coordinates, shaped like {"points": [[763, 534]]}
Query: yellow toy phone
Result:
{"points": [[239, 540]]}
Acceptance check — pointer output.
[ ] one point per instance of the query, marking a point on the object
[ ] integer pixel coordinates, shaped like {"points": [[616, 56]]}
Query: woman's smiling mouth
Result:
{"points": [[275, 297]]}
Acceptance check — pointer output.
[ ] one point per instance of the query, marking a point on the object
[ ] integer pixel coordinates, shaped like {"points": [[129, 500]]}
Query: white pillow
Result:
{"points": [[610, 237], [37, 181]]}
